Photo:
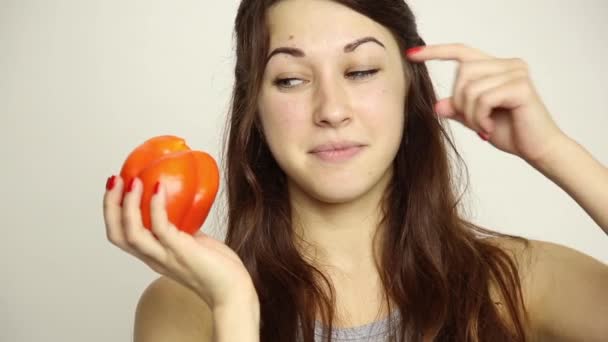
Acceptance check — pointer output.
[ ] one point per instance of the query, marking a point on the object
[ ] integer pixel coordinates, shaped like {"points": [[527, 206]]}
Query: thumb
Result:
{"points": [[445, 109]]}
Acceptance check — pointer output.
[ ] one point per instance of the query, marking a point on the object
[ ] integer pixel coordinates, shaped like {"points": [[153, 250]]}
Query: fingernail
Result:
{"points": [[484, 136], [131, 185], [156, 187], [110, 183], [413, 50]]}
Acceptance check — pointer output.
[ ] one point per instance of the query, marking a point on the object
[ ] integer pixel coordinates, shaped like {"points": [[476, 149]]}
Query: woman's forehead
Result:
{"points": [[312, 22]]}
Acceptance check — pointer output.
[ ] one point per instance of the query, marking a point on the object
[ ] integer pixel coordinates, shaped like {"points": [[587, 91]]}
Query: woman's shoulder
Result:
{"points": [[531, 258], [536, 257], [168, 311], [563, 288]]}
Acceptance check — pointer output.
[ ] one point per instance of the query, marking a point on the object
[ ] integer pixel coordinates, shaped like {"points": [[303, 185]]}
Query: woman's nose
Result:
{"points": [[332, 106]]}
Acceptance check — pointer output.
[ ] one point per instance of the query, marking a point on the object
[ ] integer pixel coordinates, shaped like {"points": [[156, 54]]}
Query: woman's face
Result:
{"points": [[327, 89]]}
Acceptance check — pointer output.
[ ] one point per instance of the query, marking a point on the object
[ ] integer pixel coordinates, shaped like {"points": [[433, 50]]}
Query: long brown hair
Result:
{"points": [[434, 266]]}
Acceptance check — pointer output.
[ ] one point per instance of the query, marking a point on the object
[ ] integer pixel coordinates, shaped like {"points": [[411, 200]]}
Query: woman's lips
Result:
{"points": [[338, 155]]}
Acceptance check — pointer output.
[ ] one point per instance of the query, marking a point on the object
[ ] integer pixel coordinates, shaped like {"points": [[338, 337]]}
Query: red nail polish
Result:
{"points": [[413, 50], [131, 185], [156, 187], [484, 136], [110, 183]]}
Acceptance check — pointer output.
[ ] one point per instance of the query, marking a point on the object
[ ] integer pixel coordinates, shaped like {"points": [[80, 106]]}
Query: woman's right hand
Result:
{"points": [[201, 263]]}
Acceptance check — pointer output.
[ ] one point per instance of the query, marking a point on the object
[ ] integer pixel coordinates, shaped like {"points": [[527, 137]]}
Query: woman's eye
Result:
{"points": [[285, 82], [362, 73]]}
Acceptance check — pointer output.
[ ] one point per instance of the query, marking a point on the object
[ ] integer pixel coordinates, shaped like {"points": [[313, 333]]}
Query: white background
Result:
{"points": [[82, 82]]}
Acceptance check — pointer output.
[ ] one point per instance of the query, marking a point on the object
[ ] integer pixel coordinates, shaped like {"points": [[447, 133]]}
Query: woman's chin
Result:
{"points": [[332, 189], [338, 194]]}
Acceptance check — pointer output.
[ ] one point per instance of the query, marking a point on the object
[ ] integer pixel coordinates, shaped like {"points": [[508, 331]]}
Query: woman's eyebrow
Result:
{"points": [[350, 47]]}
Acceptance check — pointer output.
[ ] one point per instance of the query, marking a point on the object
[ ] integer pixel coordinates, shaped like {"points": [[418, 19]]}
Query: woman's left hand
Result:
{"points": [[496, 98]]}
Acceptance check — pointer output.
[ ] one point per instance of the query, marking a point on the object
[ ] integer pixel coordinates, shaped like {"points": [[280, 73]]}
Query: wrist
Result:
{"points": [[559, 148], [247, 306], [237, 321]]}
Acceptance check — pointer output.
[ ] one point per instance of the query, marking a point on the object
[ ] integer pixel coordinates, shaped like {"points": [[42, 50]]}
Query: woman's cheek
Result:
{"points": [[373, 101], [284, 122], [290, 113]]}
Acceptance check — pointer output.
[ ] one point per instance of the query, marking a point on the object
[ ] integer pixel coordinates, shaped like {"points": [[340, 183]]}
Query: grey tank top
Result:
{"points": [[372, 332]]}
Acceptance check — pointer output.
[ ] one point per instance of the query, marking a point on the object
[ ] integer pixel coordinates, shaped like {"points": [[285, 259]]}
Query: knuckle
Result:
{"points": [[469, 90], [464, 69], [131, 238], [520, 63], [113, 231], [524, 86], [120, 243], [113, 237], [157, 268], [125, 221], [109, 210], [476, 124], [520, 74], [484, 100], [128, 218], [459, 87]]}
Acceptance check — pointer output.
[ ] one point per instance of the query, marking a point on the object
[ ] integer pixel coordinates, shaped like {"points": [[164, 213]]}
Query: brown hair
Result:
{"points": [[434, 267]]}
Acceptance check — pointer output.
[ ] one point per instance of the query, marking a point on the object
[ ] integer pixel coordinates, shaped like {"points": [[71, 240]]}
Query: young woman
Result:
{"points": [[343, 213]]}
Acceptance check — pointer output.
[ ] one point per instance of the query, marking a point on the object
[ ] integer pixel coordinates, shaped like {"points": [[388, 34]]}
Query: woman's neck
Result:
{"points": [[340, 235]]}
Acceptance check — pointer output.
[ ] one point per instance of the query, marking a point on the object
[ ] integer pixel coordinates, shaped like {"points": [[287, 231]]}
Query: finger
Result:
{"points": [[508, 95], [480, 121], [166, 232], [471, 71], [112, 211], [137, 236], [445, 109], [180, 245], [457, 52]]}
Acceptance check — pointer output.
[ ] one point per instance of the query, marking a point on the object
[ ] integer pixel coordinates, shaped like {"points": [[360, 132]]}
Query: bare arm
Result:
{"points": [[237, 323], [566, 293], [574, 170], [167, 311]]}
